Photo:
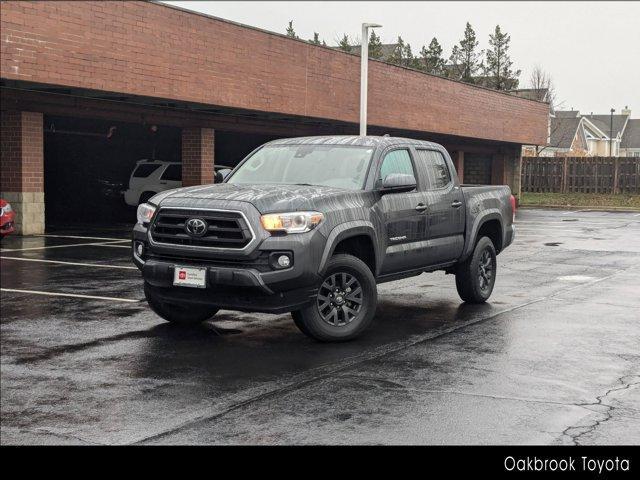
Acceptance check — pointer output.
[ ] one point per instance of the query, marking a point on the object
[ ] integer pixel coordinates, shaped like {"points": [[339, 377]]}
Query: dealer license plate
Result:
{"points": [[190, 277]]}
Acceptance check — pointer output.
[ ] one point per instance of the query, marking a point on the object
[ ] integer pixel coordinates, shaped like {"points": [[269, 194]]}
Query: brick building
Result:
{"points": [[220, 89]]}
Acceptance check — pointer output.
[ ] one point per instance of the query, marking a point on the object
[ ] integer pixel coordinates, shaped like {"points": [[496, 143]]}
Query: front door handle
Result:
{"points": [[421, 207], [456, 204]]}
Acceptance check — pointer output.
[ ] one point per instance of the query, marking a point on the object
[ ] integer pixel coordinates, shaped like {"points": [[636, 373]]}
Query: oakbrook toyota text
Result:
{"points": [[569, 464]]}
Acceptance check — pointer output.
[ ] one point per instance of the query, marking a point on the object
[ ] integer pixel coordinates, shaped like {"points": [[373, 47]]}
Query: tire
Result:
{"points": [[341, 316], [179, 314], [476, 276], [145, 196]]}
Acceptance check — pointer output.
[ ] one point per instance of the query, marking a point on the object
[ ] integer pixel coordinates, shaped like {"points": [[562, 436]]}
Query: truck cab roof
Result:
{"points": [[354, 140]]}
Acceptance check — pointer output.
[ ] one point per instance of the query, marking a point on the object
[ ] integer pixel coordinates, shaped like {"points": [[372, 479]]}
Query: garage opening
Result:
{"points": [[88, 165], [477, 169]]}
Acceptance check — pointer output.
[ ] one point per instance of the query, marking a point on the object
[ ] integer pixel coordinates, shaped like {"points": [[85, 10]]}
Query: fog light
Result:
{"points": [[284, 261], [139, 249], [280, 260]]}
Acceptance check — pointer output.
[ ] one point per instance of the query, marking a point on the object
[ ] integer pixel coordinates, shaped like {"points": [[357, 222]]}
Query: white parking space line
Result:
{"points": [[95, 244], [80, 237], [69, 263], [73, 295]]}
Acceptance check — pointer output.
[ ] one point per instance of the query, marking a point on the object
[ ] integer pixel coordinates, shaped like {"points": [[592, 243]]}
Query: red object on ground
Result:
{"points": [[7, 218]]}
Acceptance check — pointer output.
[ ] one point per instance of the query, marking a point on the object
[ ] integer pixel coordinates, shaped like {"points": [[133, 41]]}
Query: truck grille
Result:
{"points": [[223, 229]]}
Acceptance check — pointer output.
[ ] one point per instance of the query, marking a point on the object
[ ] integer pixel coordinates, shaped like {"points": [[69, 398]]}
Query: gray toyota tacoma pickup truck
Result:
{"points": [[311, 225]]}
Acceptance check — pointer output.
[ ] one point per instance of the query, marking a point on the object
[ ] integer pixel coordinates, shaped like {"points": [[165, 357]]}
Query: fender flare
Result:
{"points": [[344, 231], [470, 241]]}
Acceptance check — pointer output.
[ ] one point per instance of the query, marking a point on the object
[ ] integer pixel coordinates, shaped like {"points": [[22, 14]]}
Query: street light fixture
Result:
{"points": [[364, 72]]}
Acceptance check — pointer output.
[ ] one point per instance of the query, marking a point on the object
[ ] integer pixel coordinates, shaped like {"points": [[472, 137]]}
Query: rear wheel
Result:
{"points": [[476, 276], [180, 314], [345, 304]]}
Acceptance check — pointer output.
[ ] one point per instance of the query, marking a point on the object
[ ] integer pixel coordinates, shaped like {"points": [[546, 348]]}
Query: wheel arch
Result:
{"points": [[491, 225], [357, 238]]}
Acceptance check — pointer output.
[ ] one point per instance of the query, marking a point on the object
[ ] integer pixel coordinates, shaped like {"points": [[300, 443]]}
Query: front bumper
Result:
{"points": [[237, 280]]}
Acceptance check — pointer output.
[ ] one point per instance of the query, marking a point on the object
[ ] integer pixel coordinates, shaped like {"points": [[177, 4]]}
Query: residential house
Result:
{"points": [[576, 135], [630, 145]]}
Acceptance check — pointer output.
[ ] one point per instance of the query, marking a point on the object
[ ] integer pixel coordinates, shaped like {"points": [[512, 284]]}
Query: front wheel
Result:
{"points": [[179, 314], [476, 276], [345, 304]]}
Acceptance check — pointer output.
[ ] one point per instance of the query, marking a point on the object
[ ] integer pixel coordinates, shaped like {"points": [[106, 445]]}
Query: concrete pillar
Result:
{"points": [[458, 162], [197, 156], [22, 165]]}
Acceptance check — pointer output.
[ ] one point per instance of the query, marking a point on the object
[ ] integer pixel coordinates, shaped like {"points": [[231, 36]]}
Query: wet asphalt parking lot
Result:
{"points": [[553, 358]]}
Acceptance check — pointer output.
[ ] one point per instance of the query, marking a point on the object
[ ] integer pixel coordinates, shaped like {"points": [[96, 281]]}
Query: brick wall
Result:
{"points": [[154, 50], [197, 156], [21, 152]]}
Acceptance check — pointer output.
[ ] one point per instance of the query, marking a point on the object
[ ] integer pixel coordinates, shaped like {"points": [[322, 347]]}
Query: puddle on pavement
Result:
{"points": [[553, 244], [576, 278]]}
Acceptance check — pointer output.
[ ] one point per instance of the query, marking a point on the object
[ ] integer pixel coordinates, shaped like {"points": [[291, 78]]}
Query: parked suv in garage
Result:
{"points": [[311, 225], [151, 177], [155, 176]]}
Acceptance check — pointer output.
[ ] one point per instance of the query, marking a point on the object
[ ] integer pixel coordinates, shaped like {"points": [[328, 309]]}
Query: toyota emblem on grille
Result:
{"points": [[196, 227]]}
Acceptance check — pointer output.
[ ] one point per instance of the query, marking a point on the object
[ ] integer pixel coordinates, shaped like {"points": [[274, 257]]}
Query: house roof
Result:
{"points": [[563, 131], [539, 94], [567, 113], [631, 136], [603, 122]]}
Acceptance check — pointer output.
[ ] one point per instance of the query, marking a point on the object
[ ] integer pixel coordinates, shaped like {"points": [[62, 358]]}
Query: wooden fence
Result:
{"points": [[581, 174]]}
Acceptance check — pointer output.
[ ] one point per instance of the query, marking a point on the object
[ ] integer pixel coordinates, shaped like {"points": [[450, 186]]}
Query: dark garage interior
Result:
{"points": [[88, 162]]}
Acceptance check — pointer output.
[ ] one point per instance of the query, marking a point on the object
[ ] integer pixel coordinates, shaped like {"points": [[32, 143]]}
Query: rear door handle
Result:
{"points": [[456, 204], [421, 207]]}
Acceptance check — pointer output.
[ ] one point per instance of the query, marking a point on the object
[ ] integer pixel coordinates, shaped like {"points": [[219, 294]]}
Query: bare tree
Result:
{"points": [[543, 87]]}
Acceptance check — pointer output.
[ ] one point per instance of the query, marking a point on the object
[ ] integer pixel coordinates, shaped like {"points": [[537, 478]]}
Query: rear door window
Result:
{"points": [[436, 167], [145, 169], [173, 173]]}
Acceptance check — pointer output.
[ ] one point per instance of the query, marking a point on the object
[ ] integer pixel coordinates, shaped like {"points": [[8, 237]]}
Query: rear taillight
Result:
{"points": [[513, 207]]}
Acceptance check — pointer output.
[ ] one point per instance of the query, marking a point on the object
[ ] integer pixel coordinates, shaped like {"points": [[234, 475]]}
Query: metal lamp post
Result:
{"points": [[364, 73], [611, 134]]}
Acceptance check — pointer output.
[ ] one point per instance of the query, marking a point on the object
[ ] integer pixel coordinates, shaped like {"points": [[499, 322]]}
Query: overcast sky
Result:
{"points": [[591, 49]]}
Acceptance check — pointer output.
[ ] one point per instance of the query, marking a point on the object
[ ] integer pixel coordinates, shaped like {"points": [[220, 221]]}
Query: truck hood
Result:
{"points": [[265, 198]]}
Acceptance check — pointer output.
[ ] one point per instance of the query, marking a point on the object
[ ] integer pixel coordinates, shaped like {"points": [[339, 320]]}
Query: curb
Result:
{"points": [[575, 207]]}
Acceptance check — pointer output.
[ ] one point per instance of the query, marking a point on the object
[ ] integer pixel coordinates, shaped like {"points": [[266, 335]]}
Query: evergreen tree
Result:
{"points": [[344, 44], [397, 53], [375, 46], [464, 57], [431, 60], [498, 62], [408, 60], [316, 39], [290, 31]]}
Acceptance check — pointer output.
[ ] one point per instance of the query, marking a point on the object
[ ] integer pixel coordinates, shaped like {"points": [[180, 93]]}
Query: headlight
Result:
{"points": [[145, 213], [293, 222]]}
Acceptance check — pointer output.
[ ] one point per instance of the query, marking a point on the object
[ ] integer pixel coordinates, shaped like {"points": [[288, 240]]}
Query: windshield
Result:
{"points": [[329, 165]]}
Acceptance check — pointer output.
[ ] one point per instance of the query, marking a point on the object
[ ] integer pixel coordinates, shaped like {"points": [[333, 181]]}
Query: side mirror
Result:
{"points": [[398, 182], [222, 174]]}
